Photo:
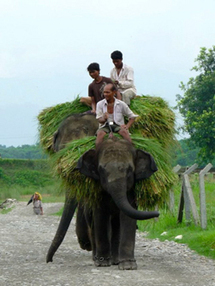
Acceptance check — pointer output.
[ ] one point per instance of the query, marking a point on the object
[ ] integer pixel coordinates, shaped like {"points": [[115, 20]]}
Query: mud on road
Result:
{"points": [[25, 240]]}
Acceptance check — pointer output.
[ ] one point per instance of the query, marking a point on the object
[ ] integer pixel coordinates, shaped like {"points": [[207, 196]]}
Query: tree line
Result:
{"points": [[197, 105], [22, 152], [184, 155]]}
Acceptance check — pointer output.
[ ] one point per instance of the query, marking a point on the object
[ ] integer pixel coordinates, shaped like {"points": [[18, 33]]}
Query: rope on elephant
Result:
{"points": [[153, 131]]}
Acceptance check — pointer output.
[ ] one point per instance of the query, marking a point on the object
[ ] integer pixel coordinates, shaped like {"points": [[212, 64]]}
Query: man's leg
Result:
{"points": [[86, 100], [100, 136], [125, 134], [127, 96]]}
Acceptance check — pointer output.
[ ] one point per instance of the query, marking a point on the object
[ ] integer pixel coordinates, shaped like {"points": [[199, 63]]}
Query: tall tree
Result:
{"points": [[197, 105]]}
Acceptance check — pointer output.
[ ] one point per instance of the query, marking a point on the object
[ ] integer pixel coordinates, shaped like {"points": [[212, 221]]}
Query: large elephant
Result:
{"points": [[74, 127]]}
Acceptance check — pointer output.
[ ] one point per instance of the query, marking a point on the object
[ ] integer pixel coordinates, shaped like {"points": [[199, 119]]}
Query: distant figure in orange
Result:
{"points": [[37, 203]]}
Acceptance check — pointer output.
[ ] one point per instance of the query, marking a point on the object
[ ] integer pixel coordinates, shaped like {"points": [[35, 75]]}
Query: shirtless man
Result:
{"points": [[110, 113]]}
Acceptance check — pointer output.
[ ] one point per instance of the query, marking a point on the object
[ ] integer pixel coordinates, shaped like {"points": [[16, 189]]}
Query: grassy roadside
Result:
{"points": [[167, 228]]}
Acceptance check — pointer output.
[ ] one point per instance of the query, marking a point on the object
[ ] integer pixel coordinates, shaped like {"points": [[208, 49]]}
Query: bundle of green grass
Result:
{"points": [[153, 131]]}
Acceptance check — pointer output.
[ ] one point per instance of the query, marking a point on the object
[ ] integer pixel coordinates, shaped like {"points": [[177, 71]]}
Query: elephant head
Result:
{"points": [[74, 127], [117, 164]]}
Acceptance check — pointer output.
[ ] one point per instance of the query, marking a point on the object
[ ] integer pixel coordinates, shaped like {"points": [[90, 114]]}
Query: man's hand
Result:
{"points": [[105, 116], [124, 126]]}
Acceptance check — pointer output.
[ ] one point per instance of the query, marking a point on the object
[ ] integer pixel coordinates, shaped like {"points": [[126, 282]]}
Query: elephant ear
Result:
{"points": [[87, 164], [145, 165]]}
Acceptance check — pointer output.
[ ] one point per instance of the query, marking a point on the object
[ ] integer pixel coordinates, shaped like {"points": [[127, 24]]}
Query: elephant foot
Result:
{"points": [[129, 264], [85, 245], [114, 261], [102, 262]]}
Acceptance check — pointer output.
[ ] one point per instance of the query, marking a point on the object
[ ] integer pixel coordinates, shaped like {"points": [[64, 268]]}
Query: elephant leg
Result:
{"points": [[115, 239], [101, 220], [127, 243], [82, 229], [127, 239]]}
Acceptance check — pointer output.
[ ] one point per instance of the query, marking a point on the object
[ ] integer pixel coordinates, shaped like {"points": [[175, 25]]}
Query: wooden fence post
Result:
{"points": [[171, 204], [190, 198], [185, 198], [203, 213]]}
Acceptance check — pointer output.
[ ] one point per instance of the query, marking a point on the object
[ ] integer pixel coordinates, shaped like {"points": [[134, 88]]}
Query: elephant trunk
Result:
{"points": [[119, 194], [68, 212]]}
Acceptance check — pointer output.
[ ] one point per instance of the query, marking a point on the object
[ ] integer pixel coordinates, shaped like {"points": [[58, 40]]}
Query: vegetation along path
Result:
{"points": [[25, 239]]}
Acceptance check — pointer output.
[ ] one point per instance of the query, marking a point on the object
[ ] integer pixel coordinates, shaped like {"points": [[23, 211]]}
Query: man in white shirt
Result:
{"points": [[110, 113], [123, 76]]}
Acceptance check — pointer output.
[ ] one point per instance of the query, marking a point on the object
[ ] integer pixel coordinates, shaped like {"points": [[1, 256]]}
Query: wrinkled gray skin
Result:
{"points": [[109, 228], [75, 127]]}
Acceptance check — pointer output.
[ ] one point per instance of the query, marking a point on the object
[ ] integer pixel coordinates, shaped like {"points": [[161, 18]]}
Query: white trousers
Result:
{"points": [[127, 95]]}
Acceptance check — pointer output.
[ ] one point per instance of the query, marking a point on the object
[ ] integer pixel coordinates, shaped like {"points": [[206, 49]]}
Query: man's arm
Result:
{"points": [[128, 81], [128, 125], [102, 117], [93, 104], [91, 95], [131, 116], [130, 122]]}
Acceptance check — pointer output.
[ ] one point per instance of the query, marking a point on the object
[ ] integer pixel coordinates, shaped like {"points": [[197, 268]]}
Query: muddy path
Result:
{"points": [[25, 240]]}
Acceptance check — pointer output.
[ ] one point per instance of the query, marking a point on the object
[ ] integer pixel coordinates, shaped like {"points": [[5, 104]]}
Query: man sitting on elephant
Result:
{"points": [[110, 113], [96, 88]]}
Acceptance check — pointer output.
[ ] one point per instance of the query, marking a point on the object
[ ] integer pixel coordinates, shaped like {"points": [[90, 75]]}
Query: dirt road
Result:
{"points": [[25, 239]]}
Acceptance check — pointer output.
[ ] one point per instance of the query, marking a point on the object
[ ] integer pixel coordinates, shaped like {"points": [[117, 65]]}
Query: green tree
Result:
{"points": [[197, 105], [22, 152]]}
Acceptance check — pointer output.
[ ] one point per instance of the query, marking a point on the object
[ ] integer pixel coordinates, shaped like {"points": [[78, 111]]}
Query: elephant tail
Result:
{"points": [[68, 212]]}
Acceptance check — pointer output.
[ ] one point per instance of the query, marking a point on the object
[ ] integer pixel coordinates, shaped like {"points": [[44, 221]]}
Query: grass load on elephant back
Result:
{"points": [[153, 131]]}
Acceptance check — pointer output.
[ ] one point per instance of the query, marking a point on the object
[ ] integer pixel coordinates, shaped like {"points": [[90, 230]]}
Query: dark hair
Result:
{"points": [[93, 67], [116, 55]]}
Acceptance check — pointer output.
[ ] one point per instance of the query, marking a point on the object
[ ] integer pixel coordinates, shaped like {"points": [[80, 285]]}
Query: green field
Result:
{"points": [[19, 179]]}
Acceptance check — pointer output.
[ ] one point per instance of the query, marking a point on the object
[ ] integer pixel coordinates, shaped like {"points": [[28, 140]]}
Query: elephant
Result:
{"points": [[74, 127], [109, 227], [111, 224]]}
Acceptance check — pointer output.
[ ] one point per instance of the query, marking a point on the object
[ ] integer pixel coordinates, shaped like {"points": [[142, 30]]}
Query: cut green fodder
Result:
{"points": [[50, 119], [149, 191], [153, 131], [156, 119]]}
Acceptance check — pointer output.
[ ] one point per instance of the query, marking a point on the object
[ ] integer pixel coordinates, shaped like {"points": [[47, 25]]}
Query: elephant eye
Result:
{"points": [[121, 169], [101, 168]]}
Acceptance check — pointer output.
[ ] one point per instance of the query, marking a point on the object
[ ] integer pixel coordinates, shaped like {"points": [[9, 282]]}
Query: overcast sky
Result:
{"points": [[46, 46]]}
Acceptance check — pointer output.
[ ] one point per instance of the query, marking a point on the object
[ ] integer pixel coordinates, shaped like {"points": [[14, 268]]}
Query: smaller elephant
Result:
{"points": [[109, 227]]}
